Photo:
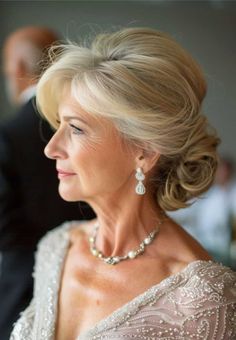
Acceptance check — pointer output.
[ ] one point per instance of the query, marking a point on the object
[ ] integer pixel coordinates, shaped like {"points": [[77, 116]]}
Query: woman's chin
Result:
{"points": [[69, 196]]}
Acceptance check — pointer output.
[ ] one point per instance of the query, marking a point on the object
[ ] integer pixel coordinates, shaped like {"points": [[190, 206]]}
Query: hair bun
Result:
{"points": [[191, 174]]}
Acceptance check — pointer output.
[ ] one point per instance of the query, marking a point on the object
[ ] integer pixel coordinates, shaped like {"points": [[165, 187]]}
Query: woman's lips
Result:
{"points": [[63, 174]]}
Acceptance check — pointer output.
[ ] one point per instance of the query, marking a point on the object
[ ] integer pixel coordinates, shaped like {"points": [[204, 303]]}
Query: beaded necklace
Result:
{"points": [[132, 254]]}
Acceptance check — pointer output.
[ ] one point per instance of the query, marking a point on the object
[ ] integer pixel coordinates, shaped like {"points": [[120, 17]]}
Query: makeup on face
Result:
{"points": [[64, 174]]}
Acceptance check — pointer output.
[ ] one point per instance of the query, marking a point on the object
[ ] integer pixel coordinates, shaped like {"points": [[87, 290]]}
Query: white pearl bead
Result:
{"points": [[131, 254], [95, 252], [147, 240]]}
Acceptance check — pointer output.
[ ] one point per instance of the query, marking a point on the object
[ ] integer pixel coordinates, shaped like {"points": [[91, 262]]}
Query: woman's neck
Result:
{"points": [[123, 226]]}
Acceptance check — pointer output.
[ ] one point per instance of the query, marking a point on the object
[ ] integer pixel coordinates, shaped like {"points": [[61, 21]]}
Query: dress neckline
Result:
{"points": [[143, 298]]}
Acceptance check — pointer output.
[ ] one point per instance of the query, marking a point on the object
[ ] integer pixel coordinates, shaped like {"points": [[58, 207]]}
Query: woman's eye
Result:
{"points": [[76, 130]]}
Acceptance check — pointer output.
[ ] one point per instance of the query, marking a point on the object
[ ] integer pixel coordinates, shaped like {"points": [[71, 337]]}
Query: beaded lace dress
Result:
{"points": [[199, 302]]}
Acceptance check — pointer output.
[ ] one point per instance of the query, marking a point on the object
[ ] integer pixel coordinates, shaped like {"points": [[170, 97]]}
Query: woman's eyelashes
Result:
{"points": [[75, 129]]}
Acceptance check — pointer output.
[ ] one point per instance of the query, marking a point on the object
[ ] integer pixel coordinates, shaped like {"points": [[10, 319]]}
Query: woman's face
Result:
{"points": [[91, 157]]}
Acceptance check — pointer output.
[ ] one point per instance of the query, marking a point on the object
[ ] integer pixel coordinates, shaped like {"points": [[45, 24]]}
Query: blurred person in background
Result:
{"points": [[217, 214], [29, 200], [211, 219]]}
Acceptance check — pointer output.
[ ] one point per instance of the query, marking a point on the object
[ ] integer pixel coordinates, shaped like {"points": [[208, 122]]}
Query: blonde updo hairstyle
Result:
{"points": [[152, 90]]}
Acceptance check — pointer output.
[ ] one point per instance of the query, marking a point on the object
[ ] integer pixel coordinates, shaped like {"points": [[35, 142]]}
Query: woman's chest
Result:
{"points": [[80, 309], [91, 290], [87, 295]]}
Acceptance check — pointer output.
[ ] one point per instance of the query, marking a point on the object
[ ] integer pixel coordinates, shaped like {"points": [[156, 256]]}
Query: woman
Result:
{"points": [[131, 141]]}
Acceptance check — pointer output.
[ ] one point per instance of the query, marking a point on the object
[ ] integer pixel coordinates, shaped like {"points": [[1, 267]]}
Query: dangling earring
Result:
{"points": [[140, 188]]}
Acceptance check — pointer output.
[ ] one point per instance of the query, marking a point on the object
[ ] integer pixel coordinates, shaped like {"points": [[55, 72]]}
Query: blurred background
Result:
{"points": [[207, 29]]}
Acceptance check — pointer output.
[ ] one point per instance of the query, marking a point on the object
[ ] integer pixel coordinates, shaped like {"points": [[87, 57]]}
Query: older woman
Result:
{"points": [[132, 142]]}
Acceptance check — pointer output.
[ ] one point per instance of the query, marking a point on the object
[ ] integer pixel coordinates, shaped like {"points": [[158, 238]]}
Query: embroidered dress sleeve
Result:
{"points": [[37, 322], [23, 327]]}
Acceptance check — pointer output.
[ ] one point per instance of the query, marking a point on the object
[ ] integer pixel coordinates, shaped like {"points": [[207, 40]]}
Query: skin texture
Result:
{"points": [[18, 76], [102, 168]]}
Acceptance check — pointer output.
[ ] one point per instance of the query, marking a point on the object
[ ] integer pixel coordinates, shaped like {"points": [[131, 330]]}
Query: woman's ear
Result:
{"points": [[21, 69], [147, 159]]}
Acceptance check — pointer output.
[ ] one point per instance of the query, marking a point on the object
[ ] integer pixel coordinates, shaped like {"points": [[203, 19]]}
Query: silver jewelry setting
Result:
{"points": [[140, 188]]}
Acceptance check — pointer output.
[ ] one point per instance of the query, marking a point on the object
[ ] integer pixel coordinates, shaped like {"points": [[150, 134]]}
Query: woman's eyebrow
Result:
{"points": [[68, 117]]}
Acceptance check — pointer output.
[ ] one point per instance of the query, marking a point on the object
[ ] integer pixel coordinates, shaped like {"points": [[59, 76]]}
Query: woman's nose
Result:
{"points": [[55, 148]]}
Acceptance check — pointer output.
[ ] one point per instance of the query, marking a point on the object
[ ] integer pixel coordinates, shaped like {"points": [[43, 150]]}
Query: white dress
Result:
{"points": [[199, 302]]}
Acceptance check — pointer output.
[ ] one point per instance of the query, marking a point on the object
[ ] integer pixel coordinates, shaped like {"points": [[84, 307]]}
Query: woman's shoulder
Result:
{"points": [[52, 248], [65, 230], [202, 274], [204, 282], [201, 297], [61, 232]]}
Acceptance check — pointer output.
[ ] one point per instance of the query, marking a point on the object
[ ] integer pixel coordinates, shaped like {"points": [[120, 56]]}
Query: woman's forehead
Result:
{"points": [[70, 108]]}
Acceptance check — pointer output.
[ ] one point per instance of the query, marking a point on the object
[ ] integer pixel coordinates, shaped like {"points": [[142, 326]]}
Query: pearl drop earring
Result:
{"points": [[140, 188]]}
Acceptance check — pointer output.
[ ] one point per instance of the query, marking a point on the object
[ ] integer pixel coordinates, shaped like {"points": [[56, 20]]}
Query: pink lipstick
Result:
{"points": [[63, 174]]}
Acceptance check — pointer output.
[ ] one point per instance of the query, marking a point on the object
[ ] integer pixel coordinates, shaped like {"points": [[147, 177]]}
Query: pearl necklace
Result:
{"points": [[132, 254]]}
